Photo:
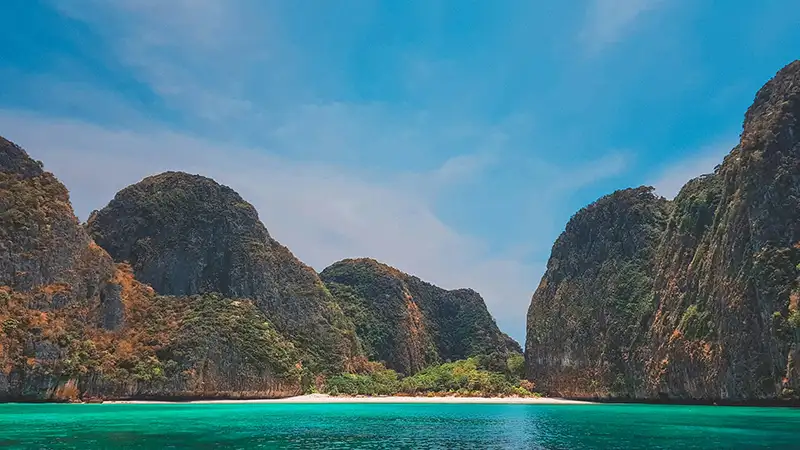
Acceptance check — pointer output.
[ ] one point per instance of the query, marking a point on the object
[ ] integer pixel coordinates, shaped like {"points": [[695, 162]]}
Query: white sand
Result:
{"points": [[324, 398]]}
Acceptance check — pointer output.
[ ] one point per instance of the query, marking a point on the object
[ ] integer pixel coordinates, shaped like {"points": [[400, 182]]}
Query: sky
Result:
{"points": [[450, 139]]}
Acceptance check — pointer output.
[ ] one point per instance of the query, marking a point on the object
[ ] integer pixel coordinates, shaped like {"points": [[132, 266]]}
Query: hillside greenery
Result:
{"points": [[188, 235], [408, 324], [168, 346]]}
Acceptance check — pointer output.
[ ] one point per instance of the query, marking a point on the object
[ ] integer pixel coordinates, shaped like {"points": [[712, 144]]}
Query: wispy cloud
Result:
{"points": [[671, 179], [230, 68], [607, 166], [196, 54], [463, 166], [609, 21], [331, 177]]}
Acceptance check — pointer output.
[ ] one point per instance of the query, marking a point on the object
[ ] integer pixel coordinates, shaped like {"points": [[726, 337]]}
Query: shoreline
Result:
{"points": [[329, 399], [402, 399]]}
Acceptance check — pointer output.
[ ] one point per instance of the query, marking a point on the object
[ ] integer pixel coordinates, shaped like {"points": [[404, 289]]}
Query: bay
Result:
{"points": [[395, 426]]}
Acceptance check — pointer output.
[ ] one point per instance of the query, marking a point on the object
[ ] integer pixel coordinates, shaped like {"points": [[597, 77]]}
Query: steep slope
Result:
{"points": [[595, 298], [186, 234], [721, 280], [43, 248], [735, 333], [74, 325], [168, 348], [409, 324]]}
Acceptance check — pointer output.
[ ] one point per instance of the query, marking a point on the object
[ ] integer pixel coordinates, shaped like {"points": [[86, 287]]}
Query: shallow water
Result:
{"points": [[384, 426]]}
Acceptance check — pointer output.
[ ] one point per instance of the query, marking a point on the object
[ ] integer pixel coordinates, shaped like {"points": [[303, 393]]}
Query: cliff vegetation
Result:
{"points": [[176, 290], [690, 299], [408, 324]]}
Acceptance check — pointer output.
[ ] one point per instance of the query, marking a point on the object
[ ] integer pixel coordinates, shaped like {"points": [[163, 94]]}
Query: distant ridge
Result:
{"points": [[409, 324]]}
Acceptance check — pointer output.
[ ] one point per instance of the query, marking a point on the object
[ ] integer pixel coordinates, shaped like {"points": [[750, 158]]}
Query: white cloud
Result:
{"points": [[608, 21], [231, 71], [610, 165], [463, 166], [76, 97], [195, 54], [671, 179]]}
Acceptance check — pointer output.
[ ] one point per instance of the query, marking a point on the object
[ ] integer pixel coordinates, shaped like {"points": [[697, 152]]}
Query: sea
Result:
{"points": [[395, 426]]}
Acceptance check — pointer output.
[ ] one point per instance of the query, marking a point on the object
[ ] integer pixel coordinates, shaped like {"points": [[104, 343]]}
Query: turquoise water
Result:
{"points": [[385, 426]]}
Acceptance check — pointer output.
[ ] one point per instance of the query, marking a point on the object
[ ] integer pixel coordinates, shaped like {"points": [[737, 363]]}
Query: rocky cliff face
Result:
{"points": [[168, 348], [43, 248], [75, 325], [711, 311], [409, 324], [186, 234], [595, 299]]}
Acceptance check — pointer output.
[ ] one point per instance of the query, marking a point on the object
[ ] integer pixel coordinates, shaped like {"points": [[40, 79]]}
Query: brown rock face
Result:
{"points": [[732, 330], [167, 348], [74, 325], [409, 324], [720, 279], [186, 234], [42, 245], [595, 298]]}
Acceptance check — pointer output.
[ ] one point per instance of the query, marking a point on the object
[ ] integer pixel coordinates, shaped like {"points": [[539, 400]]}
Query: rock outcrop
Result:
{"points": [[409, 324], [43, 247], [74, 325], [186, 234], [595, 298], [695, 299]]}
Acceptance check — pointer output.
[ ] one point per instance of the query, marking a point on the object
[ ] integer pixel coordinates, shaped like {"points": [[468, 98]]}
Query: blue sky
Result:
{"points": [[451, 139]]}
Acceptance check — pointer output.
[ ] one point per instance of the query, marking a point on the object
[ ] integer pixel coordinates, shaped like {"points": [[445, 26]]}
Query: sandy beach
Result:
{"points": [[324, 398]]}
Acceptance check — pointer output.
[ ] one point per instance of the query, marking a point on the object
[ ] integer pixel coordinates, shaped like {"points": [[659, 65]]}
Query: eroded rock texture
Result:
{"points": [[696, 298], [186, 234], [75, 325], [409, 324]]}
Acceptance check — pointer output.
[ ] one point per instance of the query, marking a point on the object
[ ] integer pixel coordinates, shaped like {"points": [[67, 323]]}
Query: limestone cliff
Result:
{"points": [[186, 234], [409, 324], [595, 298], [43, 247], [704, 305], [75, 325], [727, 324]]}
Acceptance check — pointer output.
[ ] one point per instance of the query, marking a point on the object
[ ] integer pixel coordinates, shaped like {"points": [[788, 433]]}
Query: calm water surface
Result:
{"points": [[385, 426]]}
